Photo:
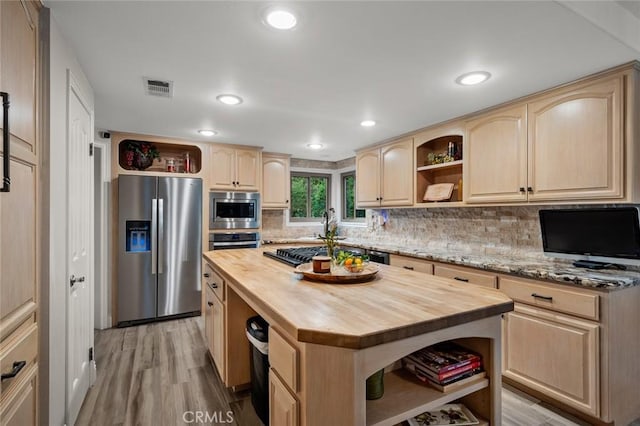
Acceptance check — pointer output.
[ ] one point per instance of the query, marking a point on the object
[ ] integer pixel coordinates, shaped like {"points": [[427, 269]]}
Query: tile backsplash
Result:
{"points": [[477, 230]]}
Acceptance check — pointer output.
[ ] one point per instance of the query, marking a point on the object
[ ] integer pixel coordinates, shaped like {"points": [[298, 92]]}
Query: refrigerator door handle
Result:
{"points": [[160, 234], [154, 235]]}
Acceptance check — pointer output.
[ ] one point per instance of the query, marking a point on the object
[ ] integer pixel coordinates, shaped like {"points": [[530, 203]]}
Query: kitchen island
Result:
{"points": [[325, 340]]}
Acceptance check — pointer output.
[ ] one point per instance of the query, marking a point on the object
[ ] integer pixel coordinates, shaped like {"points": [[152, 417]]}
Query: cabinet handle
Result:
{"points": [[522, 189], [6, 135], [213, 285], [377, 198], [209, 303], [287, 201], [529, 189], [17, 366], [464, 280], [538, 296], [408, 267], [206, 275]]}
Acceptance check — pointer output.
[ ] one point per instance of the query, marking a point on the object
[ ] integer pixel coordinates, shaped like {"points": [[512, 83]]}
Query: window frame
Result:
{"points": [[308, 175], [343, 199]]}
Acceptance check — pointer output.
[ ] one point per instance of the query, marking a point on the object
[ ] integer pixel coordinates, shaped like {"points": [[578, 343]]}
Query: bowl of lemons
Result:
{"points": [[355, 264]]}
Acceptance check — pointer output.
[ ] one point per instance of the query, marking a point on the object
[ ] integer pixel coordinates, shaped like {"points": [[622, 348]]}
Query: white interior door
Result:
{"points": [[80, 250]]}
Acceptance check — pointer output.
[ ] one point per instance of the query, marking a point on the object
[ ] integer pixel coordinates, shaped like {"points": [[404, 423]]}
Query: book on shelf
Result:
{"points": [[412, 365], [448, 414], [447, 384], [459, 382], [444, 357]]}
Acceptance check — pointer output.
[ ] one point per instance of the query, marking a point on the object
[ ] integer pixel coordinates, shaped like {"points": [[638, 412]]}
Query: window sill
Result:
{"points": [[362, 224]]}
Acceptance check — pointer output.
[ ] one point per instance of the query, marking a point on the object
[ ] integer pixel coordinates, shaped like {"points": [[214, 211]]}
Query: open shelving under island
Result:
{"points": [[325, 340]]}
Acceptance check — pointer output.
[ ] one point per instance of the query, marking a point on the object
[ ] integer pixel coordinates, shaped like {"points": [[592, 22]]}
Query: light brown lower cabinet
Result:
{"points": [[556, 354], [574, 346], [214, 329], [208, 318], [283, 406], [218, 334]]}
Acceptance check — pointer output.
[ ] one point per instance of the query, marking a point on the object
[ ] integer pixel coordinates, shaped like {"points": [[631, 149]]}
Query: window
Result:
{"points": [[349, 210], [309, 196]]}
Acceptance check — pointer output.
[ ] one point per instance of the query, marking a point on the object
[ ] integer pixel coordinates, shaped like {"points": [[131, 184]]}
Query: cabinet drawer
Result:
{"points": [[284, 359], [214, 281], [19, 407], [464, 275], [411, 263], [20, 346], [551, 297]]}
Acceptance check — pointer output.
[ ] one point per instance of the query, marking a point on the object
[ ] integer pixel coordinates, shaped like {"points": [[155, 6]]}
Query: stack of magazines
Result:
{"points": [[444, 364]]}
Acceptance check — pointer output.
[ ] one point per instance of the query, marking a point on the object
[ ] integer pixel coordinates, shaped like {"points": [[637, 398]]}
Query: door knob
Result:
{"points": [[73, 280]]}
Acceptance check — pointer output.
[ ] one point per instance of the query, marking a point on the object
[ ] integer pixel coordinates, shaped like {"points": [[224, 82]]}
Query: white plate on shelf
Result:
{"points": [[442, 416]]}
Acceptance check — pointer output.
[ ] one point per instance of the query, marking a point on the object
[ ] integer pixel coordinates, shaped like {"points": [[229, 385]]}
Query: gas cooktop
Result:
{"points": [[299, 255]]}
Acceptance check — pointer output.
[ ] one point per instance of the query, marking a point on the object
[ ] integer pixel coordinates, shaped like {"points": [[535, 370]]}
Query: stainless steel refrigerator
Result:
{"points": [[159, 247]]}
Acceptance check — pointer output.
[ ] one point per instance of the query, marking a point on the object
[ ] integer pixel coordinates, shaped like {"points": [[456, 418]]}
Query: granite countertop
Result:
{"points": [[543, 269]]}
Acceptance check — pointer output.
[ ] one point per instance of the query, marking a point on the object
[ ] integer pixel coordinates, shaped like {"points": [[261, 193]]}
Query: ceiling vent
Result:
{"points": [[157, 87]]}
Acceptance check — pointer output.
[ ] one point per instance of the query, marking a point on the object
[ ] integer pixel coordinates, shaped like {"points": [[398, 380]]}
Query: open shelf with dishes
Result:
{"points": [[439, 161], [405, 396], [144, 157]]}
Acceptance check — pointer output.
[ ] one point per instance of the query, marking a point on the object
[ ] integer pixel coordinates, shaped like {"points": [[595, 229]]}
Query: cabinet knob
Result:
{"points": [[209, 303], [522, 189], [287, 201], [206, 275], [529, 189]]}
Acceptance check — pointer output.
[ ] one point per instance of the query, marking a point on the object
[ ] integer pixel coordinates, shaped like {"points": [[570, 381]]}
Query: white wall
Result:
{"points": [[62, 59]]}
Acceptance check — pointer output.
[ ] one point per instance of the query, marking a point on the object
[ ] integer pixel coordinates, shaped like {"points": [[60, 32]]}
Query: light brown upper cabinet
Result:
{"points": [[276, 181], [565, 145], [384, 175], [575, 145], [235, 168], [496, 154]]}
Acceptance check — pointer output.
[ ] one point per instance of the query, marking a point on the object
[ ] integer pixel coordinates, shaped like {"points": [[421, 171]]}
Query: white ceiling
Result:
{"points": [[394, 62]]}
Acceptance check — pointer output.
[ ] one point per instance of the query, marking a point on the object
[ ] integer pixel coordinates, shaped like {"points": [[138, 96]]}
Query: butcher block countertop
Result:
{"points": [[397, 304]]}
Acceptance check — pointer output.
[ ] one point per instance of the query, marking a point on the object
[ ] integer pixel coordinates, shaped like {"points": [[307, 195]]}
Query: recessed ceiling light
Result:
{"points": [[207, 132], [368, 123], [471, 78], [315, 146], [229, 99], [281, 19]]}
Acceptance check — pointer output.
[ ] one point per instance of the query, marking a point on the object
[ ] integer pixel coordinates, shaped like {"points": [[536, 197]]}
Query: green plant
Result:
{"points": [[145, 149], [330, 240]]}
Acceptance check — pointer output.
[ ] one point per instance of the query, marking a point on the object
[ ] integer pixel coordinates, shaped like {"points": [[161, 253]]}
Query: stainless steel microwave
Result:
{"points": [[234, 210]]}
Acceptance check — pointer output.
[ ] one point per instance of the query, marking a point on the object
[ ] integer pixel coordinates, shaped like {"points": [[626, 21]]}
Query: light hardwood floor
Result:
{"points": [[155, 373]]}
